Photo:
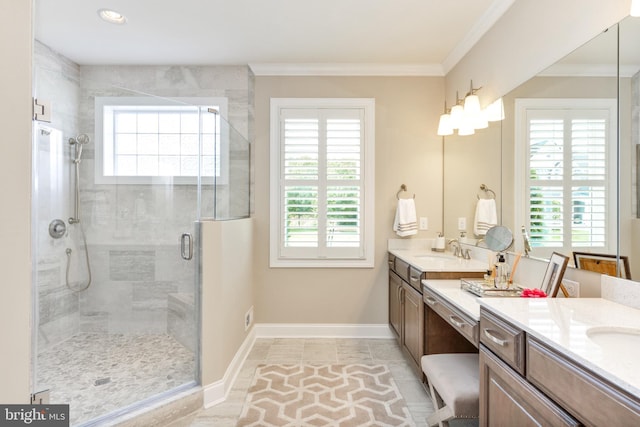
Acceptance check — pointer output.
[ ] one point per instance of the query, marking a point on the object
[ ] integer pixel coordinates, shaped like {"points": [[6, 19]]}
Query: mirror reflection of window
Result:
{"points": [[568, 188]]}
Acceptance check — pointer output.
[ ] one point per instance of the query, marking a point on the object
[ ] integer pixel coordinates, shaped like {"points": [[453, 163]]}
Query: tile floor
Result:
{"points": [[98, 373], [285, 350]]}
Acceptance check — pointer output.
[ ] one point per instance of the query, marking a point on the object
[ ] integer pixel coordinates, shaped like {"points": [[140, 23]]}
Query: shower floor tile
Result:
{"points": [[96, 373]]}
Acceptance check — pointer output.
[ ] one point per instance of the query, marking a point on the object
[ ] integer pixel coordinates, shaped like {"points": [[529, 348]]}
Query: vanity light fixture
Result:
{"points": [[466, 128], [444, 125], [467, 115], [635, 8], [457, 113], [111, 16], [473, 114], [495, 111]]}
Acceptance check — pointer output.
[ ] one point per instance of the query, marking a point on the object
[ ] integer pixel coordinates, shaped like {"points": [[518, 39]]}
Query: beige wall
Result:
{"points": [[407, 151], [227, 279], [529, 37], [470, 161], [15, 215]]}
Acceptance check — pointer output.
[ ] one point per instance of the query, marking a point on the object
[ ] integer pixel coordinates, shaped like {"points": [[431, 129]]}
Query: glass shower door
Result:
{"points": [[116, 281]]}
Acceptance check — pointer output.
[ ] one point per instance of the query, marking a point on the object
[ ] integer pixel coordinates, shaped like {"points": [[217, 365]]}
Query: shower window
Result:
{"points": [[138, 140]]}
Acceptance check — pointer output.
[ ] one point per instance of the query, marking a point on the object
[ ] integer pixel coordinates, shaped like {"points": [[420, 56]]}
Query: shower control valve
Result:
{"points": [[57, 228]]}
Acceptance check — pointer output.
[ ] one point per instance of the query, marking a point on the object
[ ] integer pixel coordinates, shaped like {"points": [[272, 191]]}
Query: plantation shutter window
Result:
{"points": [[321, 204], [567, 183]]}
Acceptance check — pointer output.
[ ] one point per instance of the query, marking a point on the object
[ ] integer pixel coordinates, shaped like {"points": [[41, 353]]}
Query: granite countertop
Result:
{"points": [[602, 335], [427, 260], [450, 291]]}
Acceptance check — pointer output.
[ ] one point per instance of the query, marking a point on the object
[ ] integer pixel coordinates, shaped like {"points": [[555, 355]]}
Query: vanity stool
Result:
{"points": [[454, 385]]}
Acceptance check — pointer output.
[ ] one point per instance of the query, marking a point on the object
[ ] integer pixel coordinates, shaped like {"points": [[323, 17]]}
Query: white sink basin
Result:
{"points": [[435, 257], [612, 337]]}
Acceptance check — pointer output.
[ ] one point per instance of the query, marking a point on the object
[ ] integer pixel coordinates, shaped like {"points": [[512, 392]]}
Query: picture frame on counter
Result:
{"points": [[603, 264], [554, 274]]}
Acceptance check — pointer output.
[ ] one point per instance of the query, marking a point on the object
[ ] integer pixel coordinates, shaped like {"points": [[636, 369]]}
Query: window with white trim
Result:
{"points": [[567, 176], [322, 182], [142, 138]]}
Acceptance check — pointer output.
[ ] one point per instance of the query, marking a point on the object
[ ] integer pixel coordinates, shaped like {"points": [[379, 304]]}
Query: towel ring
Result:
{"points": [[403, 188], [486, 191]]}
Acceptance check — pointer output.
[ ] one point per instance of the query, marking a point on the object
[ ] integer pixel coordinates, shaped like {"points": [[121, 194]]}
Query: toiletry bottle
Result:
{"points": [[502, 273]]}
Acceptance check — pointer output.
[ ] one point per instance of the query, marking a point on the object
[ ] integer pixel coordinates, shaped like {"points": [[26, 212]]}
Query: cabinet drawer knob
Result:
{"points": [[456, 321], [430, 300], [493, 338], [414, 279]]}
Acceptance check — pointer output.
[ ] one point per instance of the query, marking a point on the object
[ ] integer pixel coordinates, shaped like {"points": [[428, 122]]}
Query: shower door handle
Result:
{"points": [[186, 246]]}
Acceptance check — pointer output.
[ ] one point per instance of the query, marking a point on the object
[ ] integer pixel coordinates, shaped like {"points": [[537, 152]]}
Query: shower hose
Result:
{"points": [[86, 256]]}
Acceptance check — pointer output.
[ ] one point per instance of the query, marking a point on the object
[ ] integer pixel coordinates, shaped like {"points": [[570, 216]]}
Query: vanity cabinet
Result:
{"points": [[506, 397], [406, 308], [395, 304], [446, 328], [413, 320], [525, 381], [590, 397]]}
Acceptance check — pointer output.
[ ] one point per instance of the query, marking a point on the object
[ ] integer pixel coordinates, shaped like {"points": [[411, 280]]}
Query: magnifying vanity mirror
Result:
{"points": [[498, 238], [563, 164]]}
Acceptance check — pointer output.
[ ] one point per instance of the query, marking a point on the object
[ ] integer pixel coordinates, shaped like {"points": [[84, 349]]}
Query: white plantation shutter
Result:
{"points": [[321, 205], [567, 167]]}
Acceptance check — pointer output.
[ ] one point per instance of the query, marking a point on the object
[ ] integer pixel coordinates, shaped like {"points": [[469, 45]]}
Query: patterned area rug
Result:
{"points": [[324, 395]]}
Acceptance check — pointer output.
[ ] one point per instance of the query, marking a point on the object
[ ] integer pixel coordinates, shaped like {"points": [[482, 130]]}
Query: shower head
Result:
{"points": [[81, 139]]}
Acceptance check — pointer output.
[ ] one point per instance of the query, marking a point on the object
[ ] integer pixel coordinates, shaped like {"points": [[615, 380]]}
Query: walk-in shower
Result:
{"points": [[118, 177]]}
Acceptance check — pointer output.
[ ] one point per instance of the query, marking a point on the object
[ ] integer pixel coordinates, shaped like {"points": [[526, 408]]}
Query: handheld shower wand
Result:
{"points": [[78, 141]]}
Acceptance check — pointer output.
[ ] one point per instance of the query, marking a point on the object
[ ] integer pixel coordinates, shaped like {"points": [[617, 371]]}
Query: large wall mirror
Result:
{"points": [[578, 193]]}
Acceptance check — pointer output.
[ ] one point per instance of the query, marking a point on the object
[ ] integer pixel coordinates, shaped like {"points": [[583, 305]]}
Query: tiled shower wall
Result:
{"points": [[140, 283]]}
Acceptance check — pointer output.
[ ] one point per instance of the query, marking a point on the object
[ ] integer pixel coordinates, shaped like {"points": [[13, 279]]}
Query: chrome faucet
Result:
{"points": [[457, 252], [527, 245]]}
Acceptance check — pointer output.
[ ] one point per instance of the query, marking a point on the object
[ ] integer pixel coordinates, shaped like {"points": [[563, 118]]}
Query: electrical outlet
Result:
{"points": [[424, 223], [462, 224], [248, 318], [573, 288]]}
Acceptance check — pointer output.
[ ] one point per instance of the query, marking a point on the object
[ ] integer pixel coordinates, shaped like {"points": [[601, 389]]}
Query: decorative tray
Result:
{"points": [[484, 288]]}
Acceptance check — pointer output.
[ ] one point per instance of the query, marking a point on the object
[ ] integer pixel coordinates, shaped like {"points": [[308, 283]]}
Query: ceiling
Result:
{"points": [[426, 36]]}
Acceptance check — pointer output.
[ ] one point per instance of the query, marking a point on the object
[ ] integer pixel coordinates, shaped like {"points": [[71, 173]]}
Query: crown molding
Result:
{"points": [[345, 69], [589, 70], [482, 25]]}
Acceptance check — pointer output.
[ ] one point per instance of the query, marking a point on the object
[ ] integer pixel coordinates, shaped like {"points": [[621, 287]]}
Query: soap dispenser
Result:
{"points": [[502, 273], [440, 243]]}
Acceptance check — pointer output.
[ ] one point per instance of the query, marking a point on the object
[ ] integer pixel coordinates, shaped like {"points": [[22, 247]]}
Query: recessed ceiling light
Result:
{"points": [[112, 16]]}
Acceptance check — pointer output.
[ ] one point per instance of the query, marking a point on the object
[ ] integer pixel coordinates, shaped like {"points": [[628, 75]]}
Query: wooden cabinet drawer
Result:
{"points": [[467, 327], [415, 276], [402, 269], [504, 339], [588, 397], [506, 399], [391, 260]]}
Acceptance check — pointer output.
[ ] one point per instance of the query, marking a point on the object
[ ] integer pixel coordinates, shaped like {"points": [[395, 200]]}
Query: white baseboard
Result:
{"points": [[217, 392], [328, 330]]}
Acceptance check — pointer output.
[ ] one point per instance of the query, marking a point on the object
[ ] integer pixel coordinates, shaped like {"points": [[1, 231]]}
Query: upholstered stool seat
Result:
{"points": [[454, 385]]}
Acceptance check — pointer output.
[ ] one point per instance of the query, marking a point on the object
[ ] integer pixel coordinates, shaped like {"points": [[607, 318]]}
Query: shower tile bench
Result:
{"points": [[181, 318]]}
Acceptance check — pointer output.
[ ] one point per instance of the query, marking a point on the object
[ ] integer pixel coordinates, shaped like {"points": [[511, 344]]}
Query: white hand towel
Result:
{"points": [[405, 223], [486, 216]]}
